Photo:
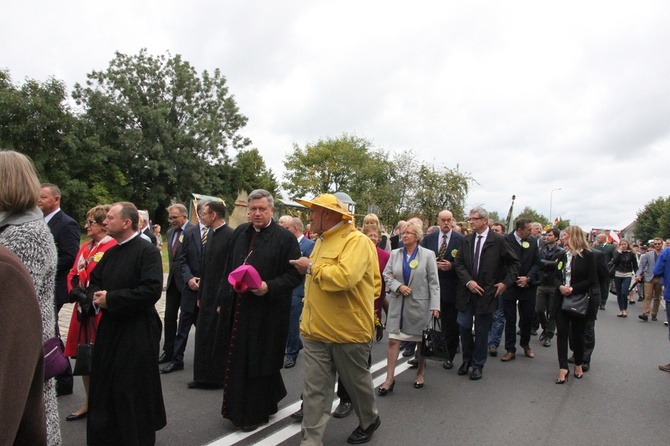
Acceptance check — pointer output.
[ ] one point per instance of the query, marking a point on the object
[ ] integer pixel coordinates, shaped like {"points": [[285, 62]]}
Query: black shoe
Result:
{"points": [[546, 342], [343, 409], [172, 367], [586, 367], [418, 385], [476, 374], [75, 417], [197, 385], [164, 358], [571, 359], [533, 332], [602, 307], [297, 415], [381, 391], [448, 364], [463, 369], [289, 363], [360, 435], [644, 317], [413, 363], [60, 390], [493, 350], [409, 351], [249, 428]]}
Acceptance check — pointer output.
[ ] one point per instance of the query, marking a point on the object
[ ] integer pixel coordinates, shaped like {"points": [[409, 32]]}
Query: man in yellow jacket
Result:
{"points": [[337, 325]]}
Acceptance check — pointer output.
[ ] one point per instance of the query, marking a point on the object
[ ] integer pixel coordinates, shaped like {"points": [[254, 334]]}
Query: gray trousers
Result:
{"points": [[322, 361]]}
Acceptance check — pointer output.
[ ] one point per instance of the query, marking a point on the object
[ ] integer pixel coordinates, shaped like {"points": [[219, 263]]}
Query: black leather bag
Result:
{"points": [[433, 344], [577, 304], [84, 361]]}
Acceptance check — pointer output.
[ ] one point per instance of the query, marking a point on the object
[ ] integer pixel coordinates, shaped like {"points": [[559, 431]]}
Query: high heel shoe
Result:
{"points": [[564, 380], [578, 375], [381, 391], [418, 385]]}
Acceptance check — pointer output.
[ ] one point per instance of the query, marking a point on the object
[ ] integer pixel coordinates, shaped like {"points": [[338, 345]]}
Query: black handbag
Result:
{"points": [[84, 361], [433, 343], [577, 304]]}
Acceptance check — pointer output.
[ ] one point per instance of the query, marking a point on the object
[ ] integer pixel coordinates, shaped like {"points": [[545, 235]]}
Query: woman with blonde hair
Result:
{"points": [[411, 277], [24, 232], [576, 275]]}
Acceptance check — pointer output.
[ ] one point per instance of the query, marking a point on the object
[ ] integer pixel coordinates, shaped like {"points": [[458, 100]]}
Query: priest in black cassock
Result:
{"points": [[254, 324], [125, 404], [209, 358]]}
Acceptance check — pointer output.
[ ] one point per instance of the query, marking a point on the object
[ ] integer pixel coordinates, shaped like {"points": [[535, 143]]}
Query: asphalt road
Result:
{"points": [[623, 400]]}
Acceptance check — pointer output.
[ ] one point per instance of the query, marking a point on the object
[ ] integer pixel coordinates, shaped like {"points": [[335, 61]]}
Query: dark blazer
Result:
{"points": [[306, 247], [448, 279], [529, 263], [66, 234], [175, 273], [147, 231], [584, 279], [498, 263], [190, 254]]}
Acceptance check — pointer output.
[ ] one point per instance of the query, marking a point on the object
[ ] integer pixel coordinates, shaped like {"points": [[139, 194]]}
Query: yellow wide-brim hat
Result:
{"points": [[330, 202]]}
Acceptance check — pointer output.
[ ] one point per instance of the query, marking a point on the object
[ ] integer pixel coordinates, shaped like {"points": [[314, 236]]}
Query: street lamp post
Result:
{"points": [[551, 199]]}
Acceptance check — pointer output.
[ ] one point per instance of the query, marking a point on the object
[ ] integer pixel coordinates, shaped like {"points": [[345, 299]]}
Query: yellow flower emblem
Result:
{"points": [[525, 245], [98, 256], [560, 266], [414, 263], [454, 253], [181, 238]]}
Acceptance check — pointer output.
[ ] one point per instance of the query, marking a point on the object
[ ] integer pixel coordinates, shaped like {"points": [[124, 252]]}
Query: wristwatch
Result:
{"points": [[309, 268]]}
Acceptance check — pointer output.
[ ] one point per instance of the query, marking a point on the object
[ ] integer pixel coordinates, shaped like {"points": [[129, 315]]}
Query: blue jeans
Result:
{"points": [[667, 316], [621, 285], [495, 334], [293, 342]]}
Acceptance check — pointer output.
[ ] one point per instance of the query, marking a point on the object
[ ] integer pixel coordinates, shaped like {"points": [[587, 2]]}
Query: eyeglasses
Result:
{"points": [[409, 233], [475, 218], [90, 222]]}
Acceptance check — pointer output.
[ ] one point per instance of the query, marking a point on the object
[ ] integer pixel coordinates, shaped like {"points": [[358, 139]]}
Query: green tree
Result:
{"points": [[250, 172], [654, 219], [532, 215], [494, 216], [165, 128], [441, 188]]}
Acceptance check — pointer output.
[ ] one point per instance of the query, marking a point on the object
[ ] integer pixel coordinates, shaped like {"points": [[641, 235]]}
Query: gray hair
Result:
{"points": [[260, 194], [481, 211], [180, 207]]}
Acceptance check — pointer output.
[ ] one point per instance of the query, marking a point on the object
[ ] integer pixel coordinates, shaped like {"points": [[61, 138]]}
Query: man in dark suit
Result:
{"points": [[522, 292], [486, 267], [293, 342], [607, 249], [178, 217], [445, 243], [146, 229], [66, 234], [189, 263]]}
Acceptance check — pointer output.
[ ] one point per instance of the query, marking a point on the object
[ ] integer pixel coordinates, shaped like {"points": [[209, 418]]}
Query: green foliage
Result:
{"points": [[533, 216], [250, 172], [654, 220], [391, 186], [162, 126]]}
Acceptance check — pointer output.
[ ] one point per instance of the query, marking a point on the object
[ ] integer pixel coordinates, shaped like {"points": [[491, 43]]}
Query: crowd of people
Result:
{"points": [[327, 290]]}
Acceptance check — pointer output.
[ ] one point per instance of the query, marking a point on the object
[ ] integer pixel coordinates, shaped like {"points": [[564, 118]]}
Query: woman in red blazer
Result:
{"points": [[87, 259]]}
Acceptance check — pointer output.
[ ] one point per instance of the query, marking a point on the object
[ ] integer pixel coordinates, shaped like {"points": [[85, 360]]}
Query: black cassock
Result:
{"points": [[209, 357], [254, 328], [126, 399]]}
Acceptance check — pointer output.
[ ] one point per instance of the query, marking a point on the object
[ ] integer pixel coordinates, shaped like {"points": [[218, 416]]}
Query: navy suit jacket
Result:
{"points": [[66, 234], [448, 279], [175, 273], [190, 257], [306, 247]]}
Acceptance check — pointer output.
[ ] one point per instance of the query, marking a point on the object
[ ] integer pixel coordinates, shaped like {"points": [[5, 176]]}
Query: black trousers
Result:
{"points": [[449, 321], [526, 312], [172, 301], [572, 328]]}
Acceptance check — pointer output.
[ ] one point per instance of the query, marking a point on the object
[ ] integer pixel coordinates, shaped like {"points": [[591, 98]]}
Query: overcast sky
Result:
{"points": [[527, 96]]}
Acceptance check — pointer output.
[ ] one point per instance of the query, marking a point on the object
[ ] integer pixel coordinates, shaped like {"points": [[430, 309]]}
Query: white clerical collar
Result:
{"points": [[50, 216], [300, 238], [218, 227]]}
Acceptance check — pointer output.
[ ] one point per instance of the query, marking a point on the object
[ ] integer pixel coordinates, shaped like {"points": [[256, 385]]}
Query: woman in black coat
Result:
{"points": [[576, 274]]}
